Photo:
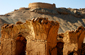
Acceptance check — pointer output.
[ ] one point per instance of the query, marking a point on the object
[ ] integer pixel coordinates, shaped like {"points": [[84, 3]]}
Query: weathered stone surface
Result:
{"points": [[73, 41], [44, 11], [36, 48], [6, 47], [40, 35], [41, 5], [42, 38]]}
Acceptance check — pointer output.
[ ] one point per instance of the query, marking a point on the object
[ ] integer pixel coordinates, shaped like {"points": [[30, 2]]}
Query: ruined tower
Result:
{"points": [[41, 5]]}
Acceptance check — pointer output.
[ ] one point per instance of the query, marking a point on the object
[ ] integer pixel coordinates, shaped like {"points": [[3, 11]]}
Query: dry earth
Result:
{"points": [[67, 21]]}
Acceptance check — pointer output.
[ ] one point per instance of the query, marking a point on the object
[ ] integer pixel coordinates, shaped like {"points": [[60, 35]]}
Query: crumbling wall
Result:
{"points": [[47, 31], [70, 43], [83, 49], [41, 5], [40, 34], [12, 32], [73, 41], [42, 38]]}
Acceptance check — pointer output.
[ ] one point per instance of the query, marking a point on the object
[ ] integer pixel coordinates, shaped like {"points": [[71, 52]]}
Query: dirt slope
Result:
{"points": [[68, 18], [1, 23]]}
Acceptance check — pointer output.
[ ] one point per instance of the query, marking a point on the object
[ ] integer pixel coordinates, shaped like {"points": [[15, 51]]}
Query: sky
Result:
{"points": [[7, 6]]}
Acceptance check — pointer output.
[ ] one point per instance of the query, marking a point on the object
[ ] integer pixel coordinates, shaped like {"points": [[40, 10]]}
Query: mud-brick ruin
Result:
{"points": [[35, 37], [41, 5], [39, 36]]}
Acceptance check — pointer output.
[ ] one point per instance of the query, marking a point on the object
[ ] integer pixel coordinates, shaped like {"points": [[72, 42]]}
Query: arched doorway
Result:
{"points": [[60, 48], [20, 45]]}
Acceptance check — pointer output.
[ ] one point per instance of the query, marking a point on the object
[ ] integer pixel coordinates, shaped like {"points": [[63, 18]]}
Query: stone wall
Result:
{"points": [[83, 49], [41, 36], [73, 41], [41, 5]]}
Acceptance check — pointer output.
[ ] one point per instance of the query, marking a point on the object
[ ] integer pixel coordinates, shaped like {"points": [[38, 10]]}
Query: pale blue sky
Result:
{"points": [[9, 5]]}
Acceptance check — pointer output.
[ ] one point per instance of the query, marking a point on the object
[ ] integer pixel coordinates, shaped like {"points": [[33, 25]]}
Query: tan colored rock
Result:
{"points": [[38, 36], [73, 41]]}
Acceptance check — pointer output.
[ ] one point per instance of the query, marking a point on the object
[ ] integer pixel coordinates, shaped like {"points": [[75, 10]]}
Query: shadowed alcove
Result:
{"points": [[20, 45], [60, 48]]}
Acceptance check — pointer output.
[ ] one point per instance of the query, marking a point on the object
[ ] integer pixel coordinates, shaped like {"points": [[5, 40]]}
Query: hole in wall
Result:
{"points": [[20, 45], [60, 48], [70, 53]]}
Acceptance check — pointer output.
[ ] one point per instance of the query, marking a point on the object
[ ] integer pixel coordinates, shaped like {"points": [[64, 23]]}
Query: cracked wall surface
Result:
{"points": [[73, 41], [41, 5], [40, 35]]}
